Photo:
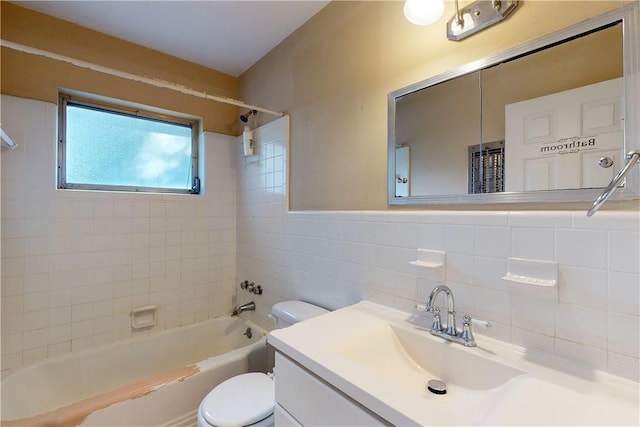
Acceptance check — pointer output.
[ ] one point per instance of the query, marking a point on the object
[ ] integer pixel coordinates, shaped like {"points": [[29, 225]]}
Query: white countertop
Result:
{"points": [[550, 391]]}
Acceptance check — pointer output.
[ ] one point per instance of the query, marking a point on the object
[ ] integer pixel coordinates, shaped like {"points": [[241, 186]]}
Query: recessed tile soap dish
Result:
{"points": [[144, 317], [430, 264], [526, 280], [532, 278]]}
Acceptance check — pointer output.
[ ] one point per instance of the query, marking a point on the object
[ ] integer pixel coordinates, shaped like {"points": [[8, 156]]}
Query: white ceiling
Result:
{"points": [[229, 36]]}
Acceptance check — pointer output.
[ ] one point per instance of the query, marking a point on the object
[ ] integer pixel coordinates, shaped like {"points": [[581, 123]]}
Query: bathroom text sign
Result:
{"points": [[570, 145]]}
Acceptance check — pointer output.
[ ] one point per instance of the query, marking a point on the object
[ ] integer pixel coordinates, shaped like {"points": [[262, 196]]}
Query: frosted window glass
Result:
{"points": [[106, 148]]}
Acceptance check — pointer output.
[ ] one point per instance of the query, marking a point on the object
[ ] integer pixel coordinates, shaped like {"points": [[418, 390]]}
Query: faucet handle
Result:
{"points": [[437, 324], [480, 323], [466, 335]]}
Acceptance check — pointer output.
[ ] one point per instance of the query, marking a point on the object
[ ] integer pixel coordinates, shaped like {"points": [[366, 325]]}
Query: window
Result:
{"points": [[103, 147]]}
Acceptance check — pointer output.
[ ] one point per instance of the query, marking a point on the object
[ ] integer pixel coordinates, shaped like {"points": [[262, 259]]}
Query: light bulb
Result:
{"points": [[423, 12]]}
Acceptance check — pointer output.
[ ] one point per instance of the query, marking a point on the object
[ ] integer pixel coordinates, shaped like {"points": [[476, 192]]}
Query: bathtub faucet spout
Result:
{"points": [[250, 306]]}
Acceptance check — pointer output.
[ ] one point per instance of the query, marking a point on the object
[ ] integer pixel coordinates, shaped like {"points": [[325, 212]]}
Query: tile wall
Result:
{"points": [[74, 263], [338, 258]]}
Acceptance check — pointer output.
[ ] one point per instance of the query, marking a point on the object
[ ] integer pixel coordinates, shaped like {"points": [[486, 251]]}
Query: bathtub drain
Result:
{"points": [[248, 333]]}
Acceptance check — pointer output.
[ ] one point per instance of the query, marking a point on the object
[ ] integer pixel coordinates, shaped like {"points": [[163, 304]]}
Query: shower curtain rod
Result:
{"points": [[122, 74]]}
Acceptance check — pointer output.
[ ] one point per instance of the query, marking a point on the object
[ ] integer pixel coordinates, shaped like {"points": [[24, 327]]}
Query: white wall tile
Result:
{"points": [[34, 338], [624, 251], [582, 325], [36, 301], [59, 334], [624, 293], [55, 350], [14, 209], [540, 219], [624, 334], [582, 286], [492, 242], [534, 316], [407, 235], [459, 268], [12, 343], [623, 366], [488, 273], [593, 357], [484, 218], [459, 239], [12, 286], [608, 220], [493, 306], [34, 320], [431, 236], [581, 248], [12, 248], [533, 243], [532, 340], [385, 233], [34, 355]]}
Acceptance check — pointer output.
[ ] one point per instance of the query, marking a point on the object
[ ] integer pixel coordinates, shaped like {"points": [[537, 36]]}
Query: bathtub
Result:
{"points": [[149, 381]]}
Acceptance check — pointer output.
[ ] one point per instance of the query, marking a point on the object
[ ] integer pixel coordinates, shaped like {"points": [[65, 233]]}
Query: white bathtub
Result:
{"points": [[150, 381]]}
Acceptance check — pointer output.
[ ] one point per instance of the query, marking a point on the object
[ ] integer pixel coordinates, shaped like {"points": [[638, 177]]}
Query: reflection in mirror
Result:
{"points": [[433, 128], [559, 112], [548, 116]]}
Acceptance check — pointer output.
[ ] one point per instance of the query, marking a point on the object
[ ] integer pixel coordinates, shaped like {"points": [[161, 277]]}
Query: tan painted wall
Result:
{"points": [[34, 77], [333, 76]]}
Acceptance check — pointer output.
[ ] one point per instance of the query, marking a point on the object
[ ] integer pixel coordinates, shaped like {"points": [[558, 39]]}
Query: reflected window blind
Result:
{"points": [[486, 168]]}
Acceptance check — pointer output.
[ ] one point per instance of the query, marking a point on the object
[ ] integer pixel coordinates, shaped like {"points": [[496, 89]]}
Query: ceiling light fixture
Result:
{"points": [[467, 20], [477, 16], [423, 12]]}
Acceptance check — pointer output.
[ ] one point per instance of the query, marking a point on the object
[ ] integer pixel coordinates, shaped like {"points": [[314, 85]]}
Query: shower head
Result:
{"points": [[244, 118]]}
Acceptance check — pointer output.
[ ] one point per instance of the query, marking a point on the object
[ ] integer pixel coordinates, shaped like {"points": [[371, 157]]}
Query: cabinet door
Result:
{"points": [[284, 419], [313, 402]]}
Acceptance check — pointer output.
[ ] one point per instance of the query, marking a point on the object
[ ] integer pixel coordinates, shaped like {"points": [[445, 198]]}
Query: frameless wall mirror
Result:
{"points": [[547, 121]]}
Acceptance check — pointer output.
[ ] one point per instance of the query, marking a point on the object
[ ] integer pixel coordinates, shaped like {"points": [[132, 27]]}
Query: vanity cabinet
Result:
{"points": [[303, 399]]}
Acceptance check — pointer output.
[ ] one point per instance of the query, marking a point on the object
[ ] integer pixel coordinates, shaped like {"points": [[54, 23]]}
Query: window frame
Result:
{"points": [[66, 99]]}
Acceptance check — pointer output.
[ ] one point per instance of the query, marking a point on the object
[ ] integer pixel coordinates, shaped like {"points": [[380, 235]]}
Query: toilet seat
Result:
{"points": [[239, 401]]}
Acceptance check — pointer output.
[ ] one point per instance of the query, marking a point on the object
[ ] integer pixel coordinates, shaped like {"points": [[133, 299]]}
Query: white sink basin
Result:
{"points": [[411, 358], [379, 358]]}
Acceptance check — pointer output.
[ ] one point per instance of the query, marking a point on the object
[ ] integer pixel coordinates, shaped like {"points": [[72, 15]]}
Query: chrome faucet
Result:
{"points": [[451, 313], [450, 333], [250, 306]]}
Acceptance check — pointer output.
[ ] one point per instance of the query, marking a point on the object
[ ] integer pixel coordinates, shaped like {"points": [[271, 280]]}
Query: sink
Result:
{"points": [[382, 359], [411, 357]]}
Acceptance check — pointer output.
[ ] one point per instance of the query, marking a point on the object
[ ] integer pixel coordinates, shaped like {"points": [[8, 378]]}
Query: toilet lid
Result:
{"points": [[240, 401]]}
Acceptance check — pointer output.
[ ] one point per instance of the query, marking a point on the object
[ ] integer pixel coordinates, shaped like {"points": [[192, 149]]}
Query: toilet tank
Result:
{"points": [[286, 313]]}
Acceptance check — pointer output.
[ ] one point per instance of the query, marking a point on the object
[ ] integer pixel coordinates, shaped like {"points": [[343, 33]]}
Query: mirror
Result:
{"points": [[540, 122]]}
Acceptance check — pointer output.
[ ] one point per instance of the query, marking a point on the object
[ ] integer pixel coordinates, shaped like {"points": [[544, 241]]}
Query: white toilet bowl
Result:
{"points": [[249, 399], [243, 400]]}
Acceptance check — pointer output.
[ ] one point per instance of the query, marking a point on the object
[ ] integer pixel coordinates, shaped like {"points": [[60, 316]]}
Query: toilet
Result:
{"points": [[249, 399]]}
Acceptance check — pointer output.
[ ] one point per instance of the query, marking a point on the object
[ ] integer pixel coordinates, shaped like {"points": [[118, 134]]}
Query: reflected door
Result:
{"points": [[403, 163], [557, 141]]}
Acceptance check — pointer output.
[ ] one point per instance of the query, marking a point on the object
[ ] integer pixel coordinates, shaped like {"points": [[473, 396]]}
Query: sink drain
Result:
{"points": [[437, 387]]}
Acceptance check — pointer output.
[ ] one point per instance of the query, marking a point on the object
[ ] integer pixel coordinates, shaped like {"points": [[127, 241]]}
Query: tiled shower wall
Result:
{"points": [[74, 263], [338, 258]]}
